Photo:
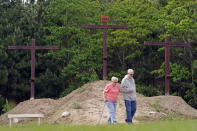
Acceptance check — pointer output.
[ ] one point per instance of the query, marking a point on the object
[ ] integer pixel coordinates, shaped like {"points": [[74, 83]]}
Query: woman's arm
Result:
{"points": [[104, 92]]}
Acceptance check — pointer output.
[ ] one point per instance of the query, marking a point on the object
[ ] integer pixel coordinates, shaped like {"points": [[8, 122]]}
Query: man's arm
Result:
{"points": [[124, 88]]}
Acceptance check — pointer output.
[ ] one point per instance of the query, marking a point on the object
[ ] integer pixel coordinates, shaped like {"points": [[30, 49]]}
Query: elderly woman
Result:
{"points": [[111, 92]]}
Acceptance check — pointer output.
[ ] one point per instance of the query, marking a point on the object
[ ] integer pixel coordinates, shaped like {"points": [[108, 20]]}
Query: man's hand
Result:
{"points": [[131, 91]]}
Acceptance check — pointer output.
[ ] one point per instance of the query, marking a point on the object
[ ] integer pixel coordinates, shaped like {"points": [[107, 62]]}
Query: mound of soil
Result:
{"points": [[43, 106], [84, 105]]}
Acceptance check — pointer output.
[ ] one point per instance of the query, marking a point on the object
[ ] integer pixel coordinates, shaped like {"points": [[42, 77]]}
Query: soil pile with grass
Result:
{"points": [[84, 105]]}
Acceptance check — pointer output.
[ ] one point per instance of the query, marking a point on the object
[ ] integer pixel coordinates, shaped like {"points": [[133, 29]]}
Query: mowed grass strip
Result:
{"points": [[185, 125]]}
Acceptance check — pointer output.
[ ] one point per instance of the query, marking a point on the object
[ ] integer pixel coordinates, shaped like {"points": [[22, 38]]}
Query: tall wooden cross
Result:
{"points": [[33, 48], [167, 45], [104, 27]]}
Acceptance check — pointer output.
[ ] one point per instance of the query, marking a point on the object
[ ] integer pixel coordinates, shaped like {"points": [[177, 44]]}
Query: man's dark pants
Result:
{"points": [[130, 110]]}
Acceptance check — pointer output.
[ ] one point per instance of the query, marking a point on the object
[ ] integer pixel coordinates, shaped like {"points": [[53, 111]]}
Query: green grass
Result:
{"points": [[186, 125]]}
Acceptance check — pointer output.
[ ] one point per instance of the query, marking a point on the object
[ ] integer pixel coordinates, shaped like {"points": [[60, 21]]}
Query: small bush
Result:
{"points": [[148, 90], [6, 107], [156, 106], [77, 106]]}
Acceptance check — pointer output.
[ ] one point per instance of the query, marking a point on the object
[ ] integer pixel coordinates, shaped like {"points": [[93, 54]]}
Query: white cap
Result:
{"points": [[130, 71], [114, 79]]}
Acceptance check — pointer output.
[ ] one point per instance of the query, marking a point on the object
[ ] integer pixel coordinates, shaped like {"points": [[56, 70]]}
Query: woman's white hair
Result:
{"points": [[130, 71], [114, 79]]}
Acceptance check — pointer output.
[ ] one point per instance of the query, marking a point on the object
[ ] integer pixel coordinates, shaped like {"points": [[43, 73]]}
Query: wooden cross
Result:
{"points": [[167, 45], [33, 48], [104, 27]]}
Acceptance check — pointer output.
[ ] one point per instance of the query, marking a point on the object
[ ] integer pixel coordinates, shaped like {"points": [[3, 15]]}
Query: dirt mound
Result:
{"points": [[43, 106], [84, 105], [163, 107], [175, 105]]}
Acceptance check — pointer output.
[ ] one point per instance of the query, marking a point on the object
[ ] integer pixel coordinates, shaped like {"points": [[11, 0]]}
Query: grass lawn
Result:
{"points": [[184, 125]]}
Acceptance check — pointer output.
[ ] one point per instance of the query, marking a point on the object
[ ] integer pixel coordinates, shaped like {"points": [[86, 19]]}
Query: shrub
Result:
{"points": [[77, 106], [148, 90], [6, 107]]}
